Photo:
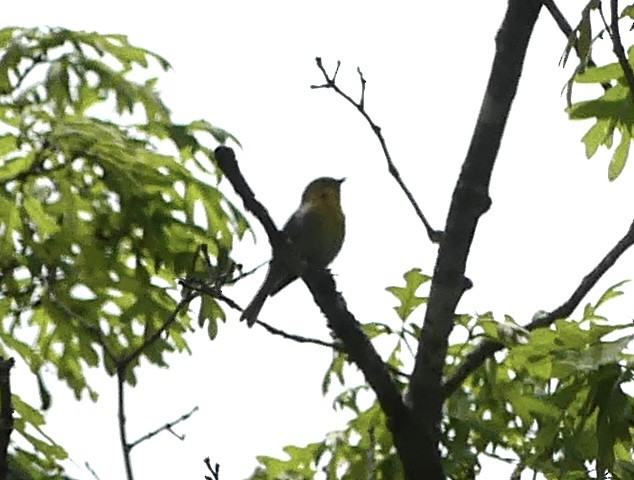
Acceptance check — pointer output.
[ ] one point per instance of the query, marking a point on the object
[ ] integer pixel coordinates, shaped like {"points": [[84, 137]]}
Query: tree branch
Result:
{"points": [[434, 235], [215, 471], [487, 348], [469, 201], [131, 356], [617, 45], [123, 436], [216, 293], [567, 30], [122, 365], [6, 414], [168, 426], [332, 304]]}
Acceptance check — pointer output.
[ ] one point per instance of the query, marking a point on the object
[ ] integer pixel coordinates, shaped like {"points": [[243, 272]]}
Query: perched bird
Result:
{"points": [[315, 230]]}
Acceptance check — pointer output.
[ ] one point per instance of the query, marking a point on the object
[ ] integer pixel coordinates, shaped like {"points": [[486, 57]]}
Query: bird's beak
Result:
{"points": [[341, 180]]}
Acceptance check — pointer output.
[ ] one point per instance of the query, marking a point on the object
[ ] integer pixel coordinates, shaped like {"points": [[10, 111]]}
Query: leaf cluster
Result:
{"points": [[103, 201], [555, 403], [612, 111]]}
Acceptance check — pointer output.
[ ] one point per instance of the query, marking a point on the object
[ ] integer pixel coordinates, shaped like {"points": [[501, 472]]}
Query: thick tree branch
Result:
{"points": [[470, 200], [487, 348], [6, 414], [434, 235], [332, 304]]}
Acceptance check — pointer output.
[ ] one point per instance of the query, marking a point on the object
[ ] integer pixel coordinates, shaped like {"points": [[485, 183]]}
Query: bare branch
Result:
{"points": [[168, 426], [123, 435], [561, 22], [434, 235], [332, 304], [6, 414], [91, 470], [470, 201], [215, 471], [226, 159], [216, 293], [487, 348]]}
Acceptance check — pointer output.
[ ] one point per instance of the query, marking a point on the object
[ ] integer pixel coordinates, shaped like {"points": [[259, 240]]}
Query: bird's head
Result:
{"points": [[324, 190]]}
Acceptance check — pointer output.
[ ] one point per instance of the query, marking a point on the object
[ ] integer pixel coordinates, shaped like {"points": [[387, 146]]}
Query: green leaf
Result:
{"points": [[57, 85], [14, 167], [628, 12], [610, 293], [603, 74], [409, 301], [620, 156], [8, 144], [6, 35], [46, 224], [584, 37], [612, 105], [335, 368], [595, 136]]}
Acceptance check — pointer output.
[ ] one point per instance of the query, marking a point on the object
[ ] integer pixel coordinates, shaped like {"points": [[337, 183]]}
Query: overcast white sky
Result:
{"points": [[247, 66]]}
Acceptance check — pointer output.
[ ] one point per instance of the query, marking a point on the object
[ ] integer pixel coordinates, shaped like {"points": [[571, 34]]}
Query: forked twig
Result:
{"points": [[434, 235]]}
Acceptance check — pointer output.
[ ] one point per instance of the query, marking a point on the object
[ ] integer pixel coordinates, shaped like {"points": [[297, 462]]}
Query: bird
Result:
{"points": [[316, 231]]}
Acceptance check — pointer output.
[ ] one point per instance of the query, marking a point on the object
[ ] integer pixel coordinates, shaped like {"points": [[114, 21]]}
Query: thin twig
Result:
{"points": [[123, 436], [168, 426], [487, 348], [122, 368], [215, 293], [617, 45], [6, 414], [567, 30], [434, 235], [182, 305], [214, 471], [91, 470]]}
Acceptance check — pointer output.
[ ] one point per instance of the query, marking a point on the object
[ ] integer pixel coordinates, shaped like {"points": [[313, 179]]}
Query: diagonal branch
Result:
{"points": [[216, 293], [567, 30], [168, 426], [470, 200], [332, 304], [487, 348], [617, 46], [132, 355], [434, 235]]}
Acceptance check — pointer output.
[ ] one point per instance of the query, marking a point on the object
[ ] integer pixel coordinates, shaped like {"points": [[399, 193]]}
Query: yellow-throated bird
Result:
{"points": [[315, 230]]}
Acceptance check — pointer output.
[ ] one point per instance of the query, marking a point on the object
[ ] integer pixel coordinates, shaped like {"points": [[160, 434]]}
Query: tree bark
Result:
{"points": [[417, 441]]}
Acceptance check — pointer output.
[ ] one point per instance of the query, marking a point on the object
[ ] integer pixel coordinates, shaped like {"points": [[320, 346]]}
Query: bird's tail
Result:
{"points": [[250, 314]]}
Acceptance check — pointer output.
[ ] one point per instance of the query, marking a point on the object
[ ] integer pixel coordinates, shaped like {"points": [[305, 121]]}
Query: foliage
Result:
{"points": [[97, 216], [555, 403], [612, 110]]}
